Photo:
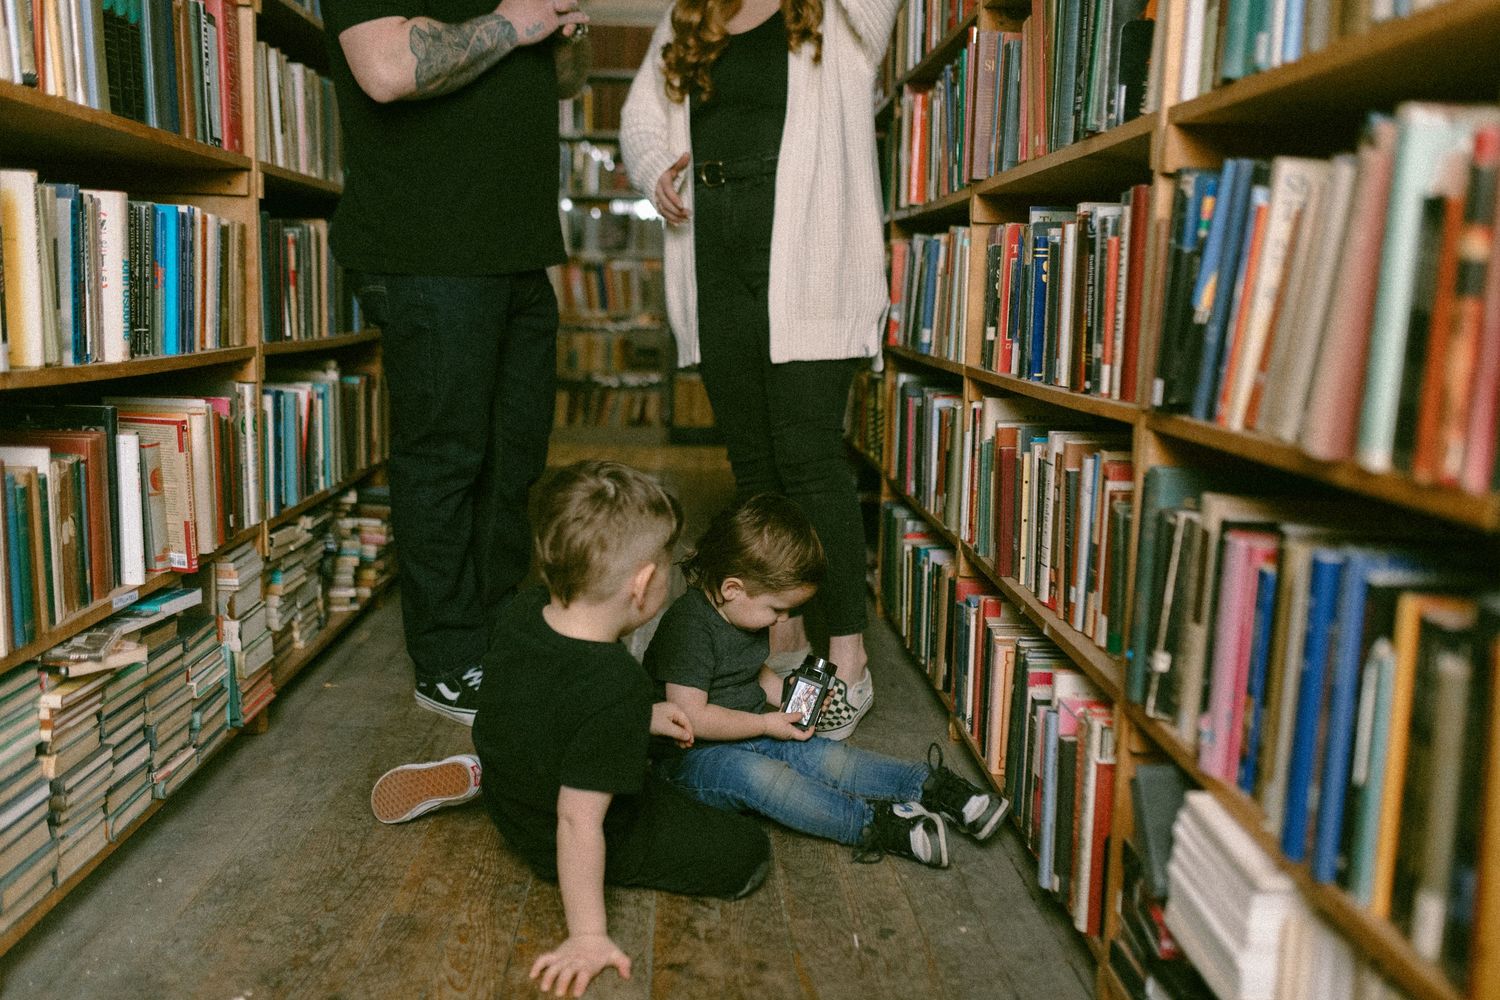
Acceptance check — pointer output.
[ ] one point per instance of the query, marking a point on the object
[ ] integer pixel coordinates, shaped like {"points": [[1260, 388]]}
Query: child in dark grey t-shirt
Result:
{"points": [[757, 562]]}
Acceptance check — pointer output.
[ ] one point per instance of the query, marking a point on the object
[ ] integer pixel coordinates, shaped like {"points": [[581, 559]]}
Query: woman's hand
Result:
{"points": [[783, 726], [671, 721], [668, 202], [576, 962]]}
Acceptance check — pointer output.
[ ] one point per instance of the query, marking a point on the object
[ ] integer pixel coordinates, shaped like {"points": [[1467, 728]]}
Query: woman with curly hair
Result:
{"points": [[751, 123]]}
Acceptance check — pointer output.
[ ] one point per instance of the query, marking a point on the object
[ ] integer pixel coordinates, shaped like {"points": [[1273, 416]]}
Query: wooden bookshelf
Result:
{"points": [[322, 496], [317, 345], [67, 142], [931, 65], [339, 622], [284, 181], [1315, 106]]}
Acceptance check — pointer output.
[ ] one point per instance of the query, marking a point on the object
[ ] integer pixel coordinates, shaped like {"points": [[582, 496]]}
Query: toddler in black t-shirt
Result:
{"points": [[566, 715]]}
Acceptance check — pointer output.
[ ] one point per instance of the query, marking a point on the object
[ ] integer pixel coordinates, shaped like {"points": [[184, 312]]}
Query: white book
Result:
{"points": [[132, 528], [19, 228], [114, 283]]}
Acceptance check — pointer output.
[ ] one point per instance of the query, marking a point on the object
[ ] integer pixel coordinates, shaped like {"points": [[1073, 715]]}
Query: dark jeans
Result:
{"points": [[471, 364], [783, 424]]}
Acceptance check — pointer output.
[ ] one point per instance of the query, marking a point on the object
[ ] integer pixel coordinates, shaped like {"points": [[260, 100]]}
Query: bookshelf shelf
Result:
{"points": [[1444, 52], [338, 623], [48, 902], [591, 135], [42, 128], [1481, 513], [294, 512], [88, 617], [932, 361], [1106, 671], [295, 31], [1107, 162], [282, 180], [940, 211], [927, 69], [319, 344], [1096, 406], [38, 378], [1376, 937]]}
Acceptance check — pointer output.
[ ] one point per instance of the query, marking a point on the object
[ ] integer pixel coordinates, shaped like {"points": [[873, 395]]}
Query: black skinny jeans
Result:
{"points": [[783, 423], [471, 364]]}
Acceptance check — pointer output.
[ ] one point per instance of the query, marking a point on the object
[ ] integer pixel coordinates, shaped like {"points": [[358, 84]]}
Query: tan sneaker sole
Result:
{"points": [[411, 790]]}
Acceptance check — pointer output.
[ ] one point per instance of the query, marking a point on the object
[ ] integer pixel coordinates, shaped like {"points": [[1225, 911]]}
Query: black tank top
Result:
{"points": [[744, 117]]}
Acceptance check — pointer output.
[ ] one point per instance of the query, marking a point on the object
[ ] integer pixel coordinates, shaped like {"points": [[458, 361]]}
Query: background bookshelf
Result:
{"points": [[289, 332], [966, 596], [615, 352]]}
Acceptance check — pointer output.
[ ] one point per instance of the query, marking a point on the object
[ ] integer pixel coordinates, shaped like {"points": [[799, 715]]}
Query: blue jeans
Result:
{"points": [[820, 787]]}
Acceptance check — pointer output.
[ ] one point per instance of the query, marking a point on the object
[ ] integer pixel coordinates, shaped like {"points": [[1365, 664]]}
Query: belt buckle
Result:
{"points": [[711, 174]]}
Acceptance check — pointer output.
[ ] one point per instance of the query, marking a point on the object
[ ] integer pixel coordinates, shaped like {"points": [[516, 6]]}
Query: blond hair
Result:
{"points": [[597, 522], [766, 542], [699, 35]]}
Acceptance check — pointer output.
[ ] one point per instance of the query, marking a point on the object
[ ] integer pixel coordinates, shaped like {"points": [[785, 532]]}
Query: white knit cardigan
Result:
{"points": [[827, 283]]}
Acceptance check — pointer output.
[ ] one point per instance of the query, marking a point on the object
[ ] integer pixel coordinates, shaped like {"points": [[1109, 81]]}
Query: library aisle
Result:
{"points": [[266, 877]]}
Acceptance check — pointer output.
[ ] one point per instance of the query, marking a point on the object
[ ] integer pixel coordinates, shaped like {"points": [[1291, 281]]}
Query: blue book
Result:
{"points": [[1345, 669], [1291, 36], [1211, 312], [291, 460], [1049, 799], [20, 569], [187, 226], [931, 252], [1307, 730], [1260, 659], [1036, 354], [1260, 197], [167, 261]]}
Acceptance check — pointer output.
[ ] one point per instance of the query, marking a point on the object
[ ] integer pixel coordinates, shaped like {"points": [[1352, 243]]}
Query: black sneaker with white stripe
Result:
{"points": [[456, 697]]}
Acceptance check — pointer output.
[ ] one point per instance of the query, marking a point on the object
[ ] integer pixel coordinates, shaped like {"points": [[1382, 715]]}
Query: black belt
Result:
{"points": [[717, 173]]}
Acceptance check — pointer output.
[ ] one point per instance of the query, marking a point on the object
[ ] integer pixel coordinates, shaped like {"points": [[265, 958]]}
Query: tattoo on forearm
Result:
{"points": [[450, 56]]}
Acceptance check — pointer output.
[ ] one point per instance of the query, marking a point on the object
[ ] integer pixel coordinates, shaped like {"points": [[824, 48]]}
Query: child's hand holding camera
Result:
{"points": [[671, 721], [784, 726]]}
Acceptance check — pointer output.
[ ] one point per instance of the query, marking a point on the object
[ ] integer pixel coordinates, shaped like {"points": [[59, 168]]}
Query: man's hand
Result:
{"points": [[668, 202], [671, 721], [576, 962], [534, 20], [783, 726]]}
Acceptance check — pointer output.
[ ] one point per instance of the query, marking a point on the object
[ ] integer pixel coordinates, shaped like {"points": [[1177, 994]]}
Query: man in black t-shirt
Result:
{"points": [[448, 219]]}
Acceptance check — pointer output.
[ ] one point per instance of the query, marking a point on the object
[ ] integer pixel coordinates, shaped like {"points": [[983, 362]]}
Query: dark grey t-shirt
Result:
{"points": [[695, 647]]}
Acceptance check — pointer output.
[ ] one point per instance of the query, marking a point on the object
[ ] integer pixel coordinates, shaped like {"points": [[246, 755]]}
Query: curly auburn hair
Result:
{"points": [[699, 35]]}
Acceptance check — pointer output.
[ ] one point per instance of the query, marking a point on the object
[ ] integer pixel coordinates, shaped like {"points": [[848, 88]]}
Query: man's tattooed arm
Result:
{"points": [[450, 56]]}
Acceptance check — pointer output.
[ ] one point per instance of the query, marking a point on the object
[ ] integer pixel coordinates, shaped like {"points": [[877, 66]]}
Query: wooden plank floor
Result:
{"points": [[266, 877]]}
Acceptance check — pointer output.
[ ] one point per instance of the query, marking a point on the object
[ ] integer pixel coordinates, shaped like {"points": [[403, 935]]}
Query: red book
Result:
{"points": [[1104, 809], [1479, 448], [1107, 335], [1006, 513], [1439, 333], [1135, 276], [1007, 338]]}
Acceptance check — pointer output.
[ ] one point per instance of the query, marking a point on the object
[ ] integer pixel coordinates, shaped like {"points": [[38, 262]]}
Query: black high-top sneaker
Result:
{"points": [[906, 829], [964, 804], [456, 697]]}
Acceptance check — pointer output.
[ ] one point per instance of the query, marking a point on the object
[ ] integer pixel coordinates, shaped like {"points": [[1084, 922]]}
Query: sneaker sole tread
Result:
{"points": [[407, 792]]}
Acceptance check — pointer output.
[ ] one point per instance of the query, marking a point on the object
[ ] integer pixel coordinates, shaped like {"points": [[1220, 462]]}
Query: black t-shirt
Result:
{"points": [[695, 647], [463, 184], [556, 711], [747, 111]]}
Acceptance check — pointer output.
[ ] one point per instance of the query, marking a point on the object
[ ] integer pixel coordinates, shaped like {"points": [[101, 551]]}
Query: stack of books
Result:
{"points": [[169, 705], [296, 609], [76, 761], [305, 294], [299, 129], [28, 851], [930, 293], [593, 168], [244, 631], [361, 557], [322, 426], [590, 233], [122, 726], [617, 288], [864, 424], [207, 671]]}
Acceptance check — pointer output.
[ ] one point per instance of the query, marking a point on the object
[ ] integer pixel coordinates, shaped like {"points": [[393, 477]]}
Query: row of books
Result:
{"points": [[628, 400], [98, 496], [921, 26], [322, 426], [96, 276], [591, 168], [1337, 672], [929, 288], [609, 350], [361, 548], [305, 293], [595, 108], [1075, 68], [610, 288], [864, 422], [171, 66], [590, 231], [691, 409], [1351, 305], [1042, 731], [1063, 295], [234, 595], [299, 129], [1225, 40]]}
